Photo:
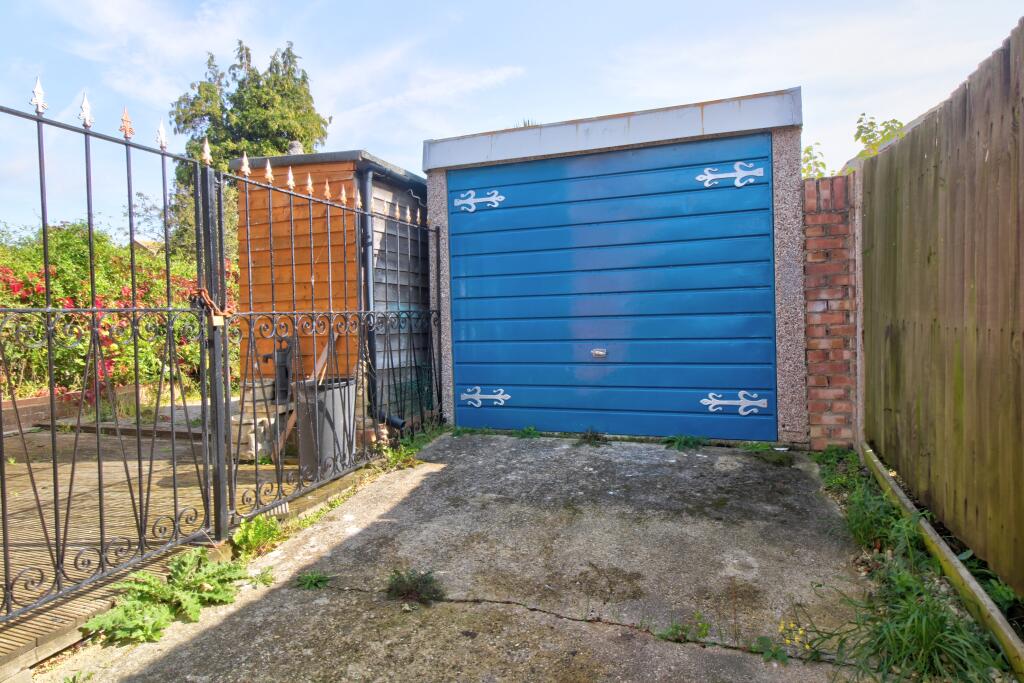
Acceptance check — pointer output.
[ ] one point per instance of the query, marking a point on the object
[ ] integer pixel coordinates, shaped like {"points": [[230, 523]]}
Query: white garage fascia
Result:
{"points": [[751, 113]]}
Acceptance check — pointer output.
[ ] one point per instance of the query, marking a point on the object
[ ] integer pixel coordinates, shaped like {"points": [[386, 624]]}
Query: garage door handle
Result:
{"points": [[599, 353]]}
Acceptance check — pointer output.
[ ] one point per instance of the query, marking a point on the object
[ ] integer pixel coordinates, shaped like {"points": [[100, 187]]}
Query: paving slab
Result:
{"points": [[557, 561]]}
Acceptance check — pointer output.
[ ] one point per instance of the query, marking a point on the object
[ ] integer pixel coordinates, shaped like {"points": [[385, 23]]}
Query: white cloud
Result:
{"points": [[429, 86], [141, 45], [886, 67]]}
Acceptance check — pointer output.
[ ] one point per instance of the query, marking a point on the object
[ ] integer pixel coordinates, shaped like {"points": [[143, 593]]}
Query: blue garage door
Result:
{"points": [[628, 292]]}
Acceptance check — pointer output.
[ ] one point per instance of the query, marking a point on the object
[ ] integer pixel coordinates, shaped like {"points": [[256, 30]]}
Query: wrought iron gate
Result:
{"points": [[172, 404]]}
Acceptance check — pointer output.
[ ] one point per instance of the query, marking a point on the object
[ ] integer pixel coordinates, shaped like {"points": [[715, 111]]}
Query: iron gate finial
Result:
{"points": [[126, 125], [39, 98], [207, 156], [85, 113], [268, 173], [161, 136], [244, 168]]}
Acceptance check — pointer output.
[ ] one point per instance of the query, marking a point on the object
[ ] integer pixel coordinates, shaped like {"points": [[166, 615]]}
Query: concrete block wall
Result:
{"points": [[831, 299]]}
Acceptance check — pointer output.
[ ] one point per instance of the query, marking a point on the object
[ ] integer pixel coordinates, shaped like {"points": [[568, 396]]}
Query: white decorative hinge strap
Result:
{"points": [[743, 172], [468, 200], [746, 401], [476, 399]]}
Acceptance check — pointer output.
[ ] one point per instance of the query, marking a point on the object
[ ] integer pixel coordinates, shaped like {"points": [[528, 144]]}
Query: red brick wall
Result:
{"points": [[829, 286]]}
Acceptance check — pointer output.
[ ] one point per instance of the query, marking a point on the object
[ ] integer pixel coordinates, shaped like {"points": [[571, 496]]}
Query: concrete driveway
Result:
{"points": [[557, 560]]}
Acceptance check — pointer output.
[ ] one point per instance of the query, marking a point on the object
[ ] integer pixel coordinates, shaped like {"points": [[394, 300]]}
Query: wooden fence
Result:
{"points": [[943, 264]]}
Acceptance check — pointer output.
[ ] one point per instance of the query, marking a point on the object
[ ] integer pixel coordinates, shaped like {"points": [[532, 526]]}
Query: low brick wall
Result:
{"points": [[830, 289], [36, 410]]}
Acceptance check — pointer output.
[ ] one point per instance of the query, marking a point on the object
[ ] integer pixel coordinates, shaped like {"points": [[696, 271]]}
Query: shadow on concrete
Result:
{"points": [[557, 560]]}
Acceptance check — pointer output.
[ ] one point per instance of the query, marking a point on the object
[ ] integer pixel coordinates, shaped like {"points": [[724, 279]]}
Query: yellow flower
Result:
{"points": [[782, 626], [787, 641]]}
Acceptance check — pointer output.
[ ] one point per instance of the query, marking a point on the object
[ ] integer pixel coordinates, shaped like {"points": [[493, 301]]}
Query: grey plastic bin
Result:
{"points": [[326, 427]]}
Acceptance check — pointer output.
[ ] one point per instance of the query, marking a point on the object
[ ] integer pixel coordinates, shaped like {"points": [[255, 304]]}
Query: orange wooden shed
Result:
{"points": [[303, 259]]}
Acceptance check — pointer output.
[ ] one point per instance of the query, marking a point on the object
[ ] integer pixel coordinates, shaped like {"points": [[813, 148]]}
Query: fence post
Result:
{"points": [[216, 340]]}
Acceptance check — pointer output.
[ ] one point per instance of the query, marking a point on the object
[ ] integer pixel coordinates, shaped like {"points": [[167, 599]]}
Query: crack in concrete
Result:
{"points": [[824, 658]]}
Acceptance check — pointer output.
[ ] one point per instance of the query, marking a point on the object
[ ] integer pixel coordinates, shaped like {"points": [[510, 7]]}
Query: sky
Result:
{"points": [[390, 75]]}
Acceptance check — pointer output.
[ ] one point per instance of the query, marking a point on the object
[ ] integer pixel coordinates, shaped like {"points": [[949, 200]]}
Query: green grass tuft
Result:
{"points": [[840, 469], [869, 515], [591, 437], [674, 633], [756, 446], [912, 626], [684, 442], [694, 630], [78, 677], [465, 431], [312, 580], [423, 587], [527, 433], [264, 577], [777, 458]]}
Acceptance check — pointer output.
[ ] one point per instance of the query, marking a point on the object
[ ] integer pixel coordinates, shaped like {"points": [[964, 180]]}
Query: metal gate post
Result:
{"points": [[212, 234]]}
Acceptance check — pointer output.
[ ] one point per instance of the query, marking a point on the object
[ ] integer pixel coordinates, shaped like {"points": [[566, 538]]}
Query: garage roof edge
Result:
{"points": [[718, 117]]}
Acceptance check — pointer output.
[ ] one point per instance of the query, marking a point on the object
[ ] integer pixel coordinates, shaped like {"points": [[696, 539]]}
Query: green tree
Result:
{"points": [[812, 162], [875, 135], [248, 110], [241, 110]]}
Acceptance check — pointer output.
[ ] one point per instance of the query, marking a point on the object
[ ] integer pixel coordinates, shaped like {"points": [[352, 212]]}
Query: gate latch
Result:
{"points": [[599, 353]]}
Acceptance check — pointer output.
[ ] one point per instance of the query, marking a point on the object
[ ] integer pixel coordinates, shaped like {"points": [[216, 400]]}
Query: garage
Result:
{"points": [[626, 291]]}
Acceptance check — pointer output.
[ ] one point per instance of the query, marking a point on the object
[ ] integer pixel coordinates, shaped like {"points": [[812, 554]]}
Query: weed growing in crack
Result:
{"points": [[776, 458], [684, 442], [264, 577], [257, 535], [411, 584], [591, 437], [465, 431], [675, 633], [527, 433], [78, 677], [756, 446], [770, 650], [149, 603], [399, 457], [696, 629], [312, 580]]}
